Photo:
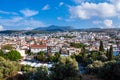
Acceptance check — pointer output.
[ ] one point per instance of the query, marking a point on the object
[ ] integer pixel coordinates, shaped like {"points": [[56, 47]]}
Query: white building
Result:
{"points": [[38, 48]]}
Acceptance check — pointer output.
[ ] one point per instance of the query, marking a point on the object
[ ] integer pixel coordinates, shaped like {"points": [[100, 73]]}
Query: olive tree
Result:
{"points": [[65, 69], [7, 68]]}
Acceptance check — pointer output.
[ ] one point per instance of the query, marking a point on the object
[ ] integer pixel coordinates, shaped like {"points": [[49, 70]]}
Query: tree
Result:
{"points": [[79, 58], [28, 52], [26, 68], [101, 47], [77, 45], [110, 57], [94, 55], [7, 68], [56, 57], [41, 56], [83, 52], [102, 58], [107, 53], [94, 67], [65, 69], [110, 71], [1, 53], [7, 47], [41, 73], [50, 57], [13, 55]]}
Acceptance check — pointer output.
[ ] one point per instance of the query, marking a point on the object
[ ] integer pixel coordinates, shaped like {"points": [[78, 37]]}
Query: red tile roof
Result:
{"points": [[38, 46]]}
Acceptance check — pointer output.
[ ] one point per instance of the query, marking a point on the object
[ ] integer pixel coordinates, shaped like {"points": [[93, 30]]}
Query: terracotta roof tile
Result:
{"points": [[38, 46]]}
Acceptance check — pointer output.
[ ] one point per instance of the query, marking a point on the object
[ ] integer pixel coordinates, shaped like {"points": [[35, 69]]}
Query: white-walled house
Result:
{"points": [[38, 48], [22, 52]]}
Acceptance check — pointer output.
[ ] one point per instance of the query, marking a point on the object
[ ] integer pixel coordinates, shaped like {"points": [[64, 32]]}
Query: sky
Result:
{"points": [[30, 14]]}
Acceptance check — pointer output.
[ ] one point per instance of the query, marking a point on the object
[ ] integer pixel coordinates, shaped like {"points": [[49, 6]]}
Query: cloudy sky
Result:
{"points": [[29, 14]]}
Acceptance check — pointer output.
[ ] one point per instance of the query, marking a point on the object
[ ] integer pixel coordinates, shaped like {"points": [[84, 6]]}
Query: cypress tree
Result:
{"points": [[110, 53], [101, 47], [83, 52], [107, 53]]}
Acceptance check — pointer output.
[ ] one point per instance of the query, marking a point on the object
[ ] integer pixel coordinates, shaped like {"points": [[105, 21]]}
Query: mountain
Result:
{"points": [[10, 31], [55, 28]]}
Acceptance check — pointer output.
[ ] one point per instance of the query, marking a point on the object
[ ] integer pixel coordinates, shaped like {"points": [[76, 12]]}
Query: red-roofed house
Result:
{"points": [[38, 48]]}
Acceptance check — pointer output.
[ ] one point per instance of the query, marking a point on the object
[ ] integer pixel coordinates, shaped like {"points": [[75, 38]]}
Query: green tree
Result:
{"points": [[77, 45], [41, 56], [13, 55], [26, 68], [110, 57], [102, 58], [7, 68], [110, 70], [107, 53], [50, 57], [83, 52], [41, 73], [65, 69], [94, 55], [56, 57], [1, 53], [94, 67], [79, 58], [101, 47], [28, 52]]}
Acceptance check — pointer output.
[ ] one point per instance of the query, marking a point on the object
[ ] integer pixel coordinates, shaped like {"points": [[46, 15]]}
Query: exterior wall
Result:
{"points": [[38, 50], [22, 52]]}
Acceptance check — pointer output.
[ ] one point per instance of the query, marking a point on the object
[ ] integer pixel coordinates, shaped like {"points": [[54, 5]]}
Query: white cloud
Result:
{"points": [[61, 3], [114, 1], [59, 18], [21, 23], [1, 28], [28, 12], [108, 23], [78, 1], [87, 10], [46, 7], [6, 12]]}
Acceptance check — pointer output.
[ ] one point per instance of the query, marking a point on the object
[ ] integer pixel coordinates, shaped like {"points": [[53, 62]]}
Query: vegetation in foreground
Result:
{"points": [[102, 64]]}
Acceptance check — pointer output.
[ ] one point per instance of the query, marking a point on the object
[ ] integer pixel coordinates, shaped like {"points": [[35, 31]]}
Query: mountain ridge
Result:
{"points": [[55, 27]]}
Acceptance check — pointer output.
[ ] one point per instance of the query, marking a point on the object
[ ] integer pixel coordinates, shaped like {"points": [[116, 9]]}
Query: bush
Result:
{"points": [[102, 58], [13, 55], [94, 67], [110, 70]]}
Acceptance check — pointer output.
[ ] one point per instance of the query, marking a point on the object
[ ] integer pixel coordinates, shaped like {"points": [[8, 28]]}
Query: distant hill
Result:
{"points": [[9, 31], [55, 28]]}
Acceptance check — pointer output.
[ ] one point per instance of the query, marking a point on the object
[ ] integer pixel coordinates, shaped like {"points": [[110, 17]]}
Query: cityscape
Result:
{"points": [[60, 40]]}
